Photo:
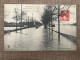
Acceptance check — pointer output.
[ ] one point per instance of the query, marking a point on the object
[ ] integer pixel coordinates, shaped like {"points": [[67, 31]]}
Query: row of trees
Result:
{"points": [[52, 13], [49, 15]]}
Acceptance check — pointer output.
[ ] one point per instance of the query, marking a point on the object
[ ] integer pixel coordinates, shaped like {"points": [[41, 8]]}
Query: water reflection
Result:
{"points": [[33, 39], [48, 42]]}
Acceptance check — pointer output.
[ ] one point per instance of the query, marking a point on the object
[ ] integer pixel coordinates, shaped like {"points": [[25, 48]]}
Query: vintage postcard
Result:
{"points": [[39, 27]]}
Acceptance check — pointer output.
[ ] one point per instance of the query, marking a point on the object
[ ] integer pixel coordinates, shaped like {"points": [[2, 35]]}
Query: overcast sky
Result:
{"points": [[35, 9]]}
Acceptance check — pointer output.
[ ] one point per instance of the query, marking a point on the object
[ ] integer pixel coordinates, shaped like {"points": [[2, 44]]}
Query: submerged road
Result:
{"points": [[36, 39]]}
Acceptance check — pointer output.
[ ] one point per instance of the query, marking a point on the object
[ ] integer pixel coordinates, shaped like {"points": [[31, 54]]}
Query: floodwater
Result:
{"points": [[37, 39]]}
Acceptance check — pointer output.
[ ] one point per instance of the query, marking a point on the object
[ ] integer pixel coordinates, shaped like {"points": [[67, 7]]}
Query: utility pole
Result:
{"points": [[28, 21], [32, 17], [21, 19], [58, 23], [21, 16], [16, 18]]}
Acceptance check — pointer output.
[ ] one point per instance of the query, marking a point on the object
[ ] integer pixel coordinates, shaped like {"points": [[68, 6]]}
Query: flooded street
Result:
{"points": [[36, 39], [24, 27]]}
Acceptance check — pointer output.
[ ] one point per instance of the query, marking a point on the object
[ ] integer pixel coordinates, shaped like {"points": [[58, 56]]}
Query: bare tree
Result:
{"points": [[17, 16]]}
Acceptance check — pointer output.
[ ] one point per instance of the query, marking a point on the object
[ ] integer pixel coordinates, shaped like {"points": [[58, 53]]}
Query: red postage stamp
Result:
{"points": [[64, 15]]}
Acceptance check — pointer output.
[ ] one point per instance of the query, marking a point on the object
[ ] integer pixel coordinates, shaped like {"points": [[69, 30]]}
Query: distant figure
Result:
{"points": [[36, 26], [53, 25]]}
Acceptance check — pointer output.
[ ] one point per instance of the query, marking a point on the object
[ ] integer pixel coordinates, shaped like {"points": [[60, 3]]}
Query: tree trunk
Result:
{"points": [[45, 26]]}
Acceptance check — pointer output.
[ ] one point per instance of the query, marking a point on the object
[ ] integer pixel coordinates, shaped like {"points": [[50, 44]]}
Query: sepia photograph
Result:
{"points": [[40, 27]]}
